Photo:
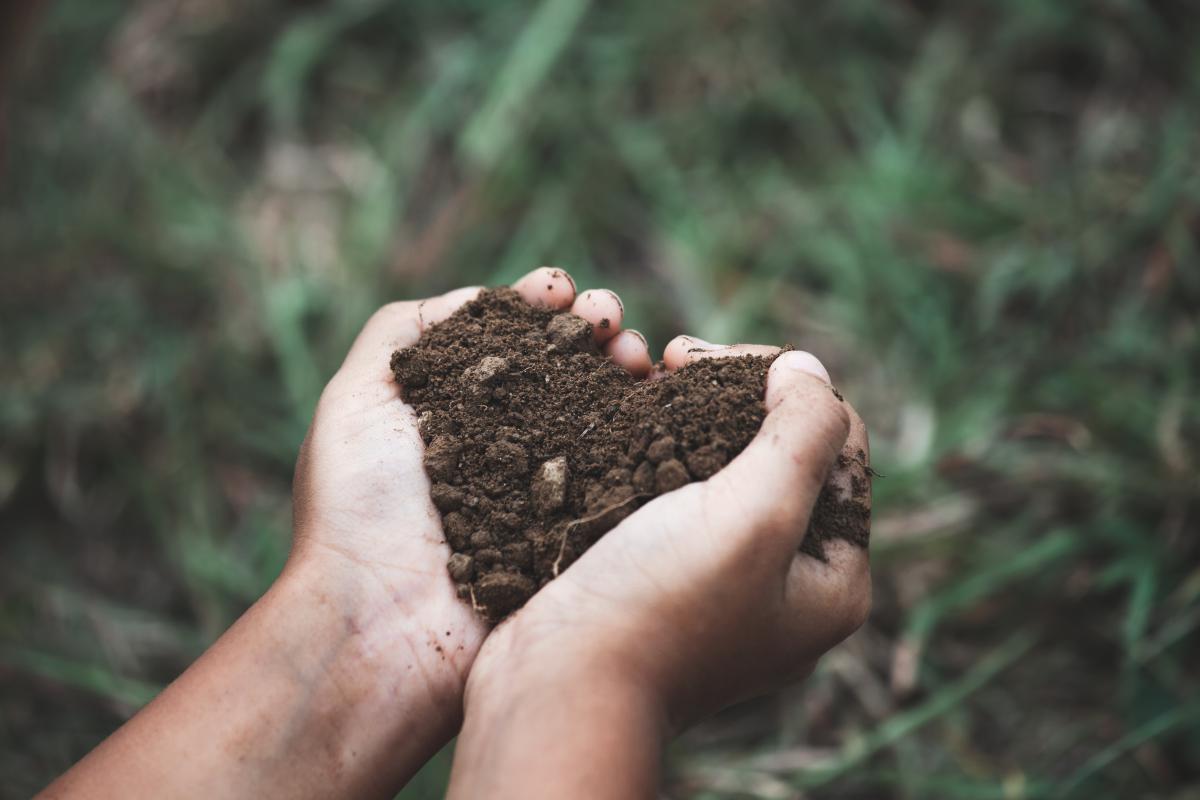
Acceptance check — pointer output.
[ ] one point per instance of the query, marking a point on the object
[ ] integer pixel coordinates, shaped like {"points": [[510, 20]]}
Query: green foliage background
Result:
{"points": [[983, 215]]}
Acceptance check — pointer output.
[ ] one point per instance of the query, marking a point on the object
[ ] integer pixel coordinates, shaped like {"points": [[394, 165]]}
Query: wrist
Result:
{"points": [[540, 723], [520, 662], [364, 661], [304, 695], [396, 621]]}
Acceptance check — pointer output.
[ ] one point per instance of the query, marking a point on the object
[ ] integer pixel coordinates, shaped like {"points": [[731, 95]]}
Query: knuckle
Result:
{"points": [[678, 345], [835, 415], [831, 422]]}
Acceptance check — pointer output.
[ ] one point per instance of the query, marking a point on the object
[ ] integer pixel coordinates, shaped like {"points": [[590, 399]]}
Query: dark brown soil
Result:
{"points": [[536, 445]]}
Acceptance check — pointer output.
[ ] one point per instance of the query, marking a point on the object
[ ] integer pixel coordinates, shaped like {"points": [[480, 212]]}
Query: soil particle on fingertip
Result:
{"points": [[536, 445]]}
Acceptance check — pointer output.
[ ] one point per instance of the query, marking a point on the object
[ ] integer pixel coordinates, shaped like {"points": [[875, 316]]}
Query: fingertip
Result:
{"points": [[682, 350], [783, 470], [802, 361], [602, 308], [793, 368], [806, 427], [798, 392], [548, 287], [628, 349]]}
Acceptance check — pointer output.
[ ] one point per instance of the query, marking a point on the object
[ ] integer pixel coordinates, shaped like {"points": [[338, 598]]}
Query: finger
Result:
{"points": [[628, 349], [549, 287], [603, 309], [396, 326], [684, 350], [775, 481]]}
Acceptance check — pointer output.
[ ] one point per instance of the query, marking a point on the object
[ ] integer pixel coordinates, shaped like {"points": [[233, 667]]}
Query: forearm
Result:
{"points": [[560, 733], [305, 696]]}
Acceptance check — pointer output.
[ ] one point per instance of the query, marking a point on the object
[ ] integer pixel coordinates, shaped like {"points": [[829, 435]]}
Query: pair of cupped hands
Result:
{"points": [[697, 600], [360, 662]]}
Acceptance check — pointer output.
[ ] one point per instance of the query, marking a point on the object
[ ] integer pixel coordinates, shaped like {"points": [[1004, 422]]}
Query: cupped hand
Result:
{"points": [[701, 598], [364, 521], [347, 674]]}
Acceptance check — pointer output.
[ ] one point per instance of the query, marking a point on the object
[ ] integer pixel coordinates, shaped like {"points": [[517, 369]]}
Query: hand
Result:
{"points": [[348, 673], [364, 520], [696, 601]]}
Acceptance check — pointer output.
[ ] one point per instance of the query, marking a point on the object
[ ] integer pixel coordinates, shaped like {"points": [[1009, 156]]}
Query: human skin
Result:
{"points": [[348, 674], [696, 601]]}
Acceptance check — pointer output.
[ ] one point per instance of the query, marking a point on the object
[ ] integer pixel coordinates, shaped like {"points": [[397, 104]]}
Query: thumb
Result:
{"points": [[771, 487], [396, 326]]}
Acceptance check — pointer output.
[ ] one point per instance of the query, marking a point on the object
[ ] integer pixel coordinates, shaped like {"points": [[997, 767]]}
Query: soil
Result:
{"points": [[537, 445]]}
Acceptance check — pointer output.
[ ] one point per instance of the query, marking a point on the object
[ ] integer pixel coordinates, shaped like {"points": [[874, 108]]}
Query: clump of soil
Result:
{"points": [[536, 445]]}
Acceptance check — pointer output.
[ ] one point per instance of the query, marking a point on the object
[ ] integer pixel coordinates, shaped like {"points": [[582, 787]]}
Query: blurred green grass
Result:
{"points": [[983, 215]]}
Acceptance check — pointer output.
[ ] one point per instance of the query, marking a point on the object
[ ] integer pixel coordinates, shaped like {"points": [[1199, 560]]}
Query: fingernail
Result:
{"points": [[592, 296], [807, 363], [638, 334], [556, 272], [615, 297]]}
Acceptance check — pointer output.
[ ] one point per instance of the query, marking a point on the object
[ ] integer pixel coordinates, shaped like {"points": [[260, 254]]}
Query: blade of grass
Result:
{"points": [[297, 52], [1142, 590], [1171, 633], [1012, 787], [90, 677], [285, 304], [984, 582], [492, 129], [685, 237], [944, 700], [1164, 723]]}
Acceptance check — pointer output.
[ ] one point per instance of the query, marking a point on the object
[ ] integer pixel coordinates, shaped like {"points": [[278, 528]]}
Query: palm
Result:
{"points": [[361, 494], [366, 500]]}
